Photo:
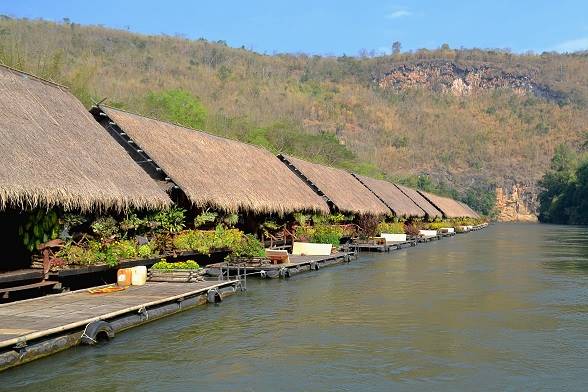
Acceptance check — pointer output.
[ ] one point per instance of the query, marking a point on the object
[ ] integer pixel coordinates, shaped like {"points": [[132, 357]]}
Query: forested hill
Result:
{"points": [[464, 121]]}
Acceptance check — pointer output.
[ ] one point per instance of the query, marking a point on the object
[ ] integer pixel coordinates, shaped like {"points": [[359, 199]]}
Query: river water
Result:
{"points": [[505, 308]]}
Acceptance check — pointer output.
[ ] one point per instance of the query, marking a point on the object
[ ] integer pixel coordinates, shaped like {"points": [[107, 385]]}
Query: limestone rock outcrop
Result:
{"points": [[518, 205], [447, 76]]}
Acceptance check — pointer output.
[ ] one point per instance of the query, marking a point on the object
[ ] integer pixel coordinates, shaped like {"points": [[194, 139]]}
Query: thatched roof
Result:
{"points": [[473, 214], [420, 201], [222, 173], [339, 186], [388, 193], [449, 207], [52, 152]]}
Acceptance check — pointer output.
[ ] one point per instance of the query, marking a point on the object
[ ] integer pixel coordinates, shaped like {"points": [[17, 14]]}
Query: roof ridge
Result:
{"points": [[100, 106], [40, 79]]}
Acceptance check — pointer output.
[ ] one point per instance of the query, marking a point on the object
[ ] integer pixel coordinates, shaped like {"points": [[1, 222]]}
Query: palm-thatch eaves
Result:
{"points": [[387, 192], [340, 187], [52, 152], [218, 172]]}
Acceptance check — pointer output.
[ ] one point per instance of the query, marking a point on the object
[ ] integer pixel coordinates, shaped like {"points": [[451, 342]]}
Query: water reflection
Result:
{"points": [[501, 309]]}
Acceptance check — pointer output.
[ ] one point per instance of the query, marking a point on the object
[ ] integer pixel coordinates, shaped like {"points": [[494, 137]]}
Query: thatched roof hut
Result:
{"points": [[449, 207], [389, 194], [52, 152], [217, 172], [420, 201], [340, 187]]}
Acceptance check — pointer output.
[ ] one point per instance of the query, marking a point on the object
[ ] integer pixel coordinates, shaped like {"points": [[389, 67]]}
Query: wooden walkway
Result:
{"points": [[28, 320], [265, 269]]}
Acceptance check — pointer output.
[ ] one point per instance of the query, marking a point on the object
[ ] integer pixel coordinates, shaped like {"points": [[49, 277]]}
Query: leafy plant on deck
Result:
{"points": [[105, 227], [181, 265], [39, 227], [171, 220], [390, 228], [248, 246], [206, 217]]}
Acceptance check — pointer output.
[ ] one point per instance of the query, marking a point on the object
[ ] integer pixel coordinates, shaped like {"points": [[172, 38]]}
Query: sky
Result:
{"points": [[332, 27]]}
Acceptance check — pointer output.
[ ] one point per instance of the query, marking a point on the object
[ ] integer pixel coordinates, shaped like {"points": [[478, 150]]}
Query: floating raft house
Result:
{"points": [[218, 172], [449, 207], [52, 152], [338, 187], [430, 210], [389, 194]]}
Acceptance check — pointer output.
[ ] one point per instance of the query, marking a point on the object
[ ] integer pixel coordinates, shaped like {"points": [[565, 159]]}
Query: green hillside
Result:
{"points": [[367, 114]]}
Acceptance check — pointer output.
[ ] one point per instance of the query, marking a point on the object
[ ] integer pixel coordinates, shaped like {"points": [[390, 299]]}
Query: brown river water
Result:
{"points": [[502, 309]]}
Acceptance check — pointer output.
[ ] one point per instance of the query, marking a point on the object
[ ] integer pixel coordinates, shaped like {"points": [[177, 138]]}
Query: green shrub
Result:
{"points": [[177, 106], [106, 256], [133, 222], [204, 218], [204, 241], [300, 218], [171, 220], [438, 225], [165, 266], [105, 227], [124, 249], [230, 219], [145, 251], [391, 228], [326, 234], [226, 238], [304, 233], [248, 246], [199, 241], [73, 254]]}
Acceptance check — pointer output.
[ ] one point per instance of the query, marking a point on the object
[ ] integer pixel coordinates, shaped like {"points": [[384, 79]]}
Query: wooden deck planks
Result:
{"points": [[24, 318], [20, 275]]}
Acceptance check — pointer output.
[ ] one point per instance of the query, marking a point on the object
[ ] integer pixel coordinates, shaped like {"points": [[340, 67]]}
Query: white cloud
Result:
{"points": [[572, 45], [398, 14]]}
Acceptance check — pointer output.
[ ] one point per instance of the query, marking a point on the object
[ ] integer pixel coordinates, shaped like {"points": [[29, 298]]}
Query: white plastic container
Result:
{"points": [[311, 249], [394, 237], [139, 277], [427, 233]]}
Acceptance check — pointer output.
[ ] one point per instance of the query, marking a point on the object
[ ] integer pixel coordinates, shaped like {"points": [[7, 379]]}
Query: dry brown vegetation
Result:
{"points": [[326, 109]]}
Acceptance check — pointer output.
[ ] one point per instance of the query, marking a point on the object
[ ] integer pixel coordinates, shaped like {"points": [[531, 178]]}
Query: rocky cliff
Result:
{"points": [[518, 205], [461, 79]]}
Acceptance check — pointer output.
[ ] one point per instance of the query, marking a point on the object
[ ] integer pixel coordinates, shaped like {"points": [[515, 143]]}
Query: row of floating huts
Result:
{"points": [[55, 153]]}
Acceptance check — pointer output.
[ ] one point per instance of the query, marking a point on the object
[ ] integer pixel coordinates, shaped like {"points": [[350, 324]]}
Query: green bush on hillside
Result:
{"points": [[177, 106]]}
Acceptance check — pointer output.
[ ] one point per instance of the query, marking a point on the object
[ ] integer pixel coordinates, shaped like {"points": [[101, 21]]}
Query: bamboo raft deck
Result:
{"points": [[38, 327], [265, 269]]}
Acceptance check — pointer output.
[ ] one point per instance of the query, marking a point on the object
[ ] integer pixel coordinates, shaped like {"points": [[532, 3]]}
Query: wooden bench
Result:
{"points": [[277, 256]]}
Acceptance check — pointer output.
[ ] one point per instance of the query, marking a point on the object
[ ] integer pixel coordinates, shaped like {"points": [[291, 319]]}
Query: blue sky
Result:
{"points": [[336, 27]]}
